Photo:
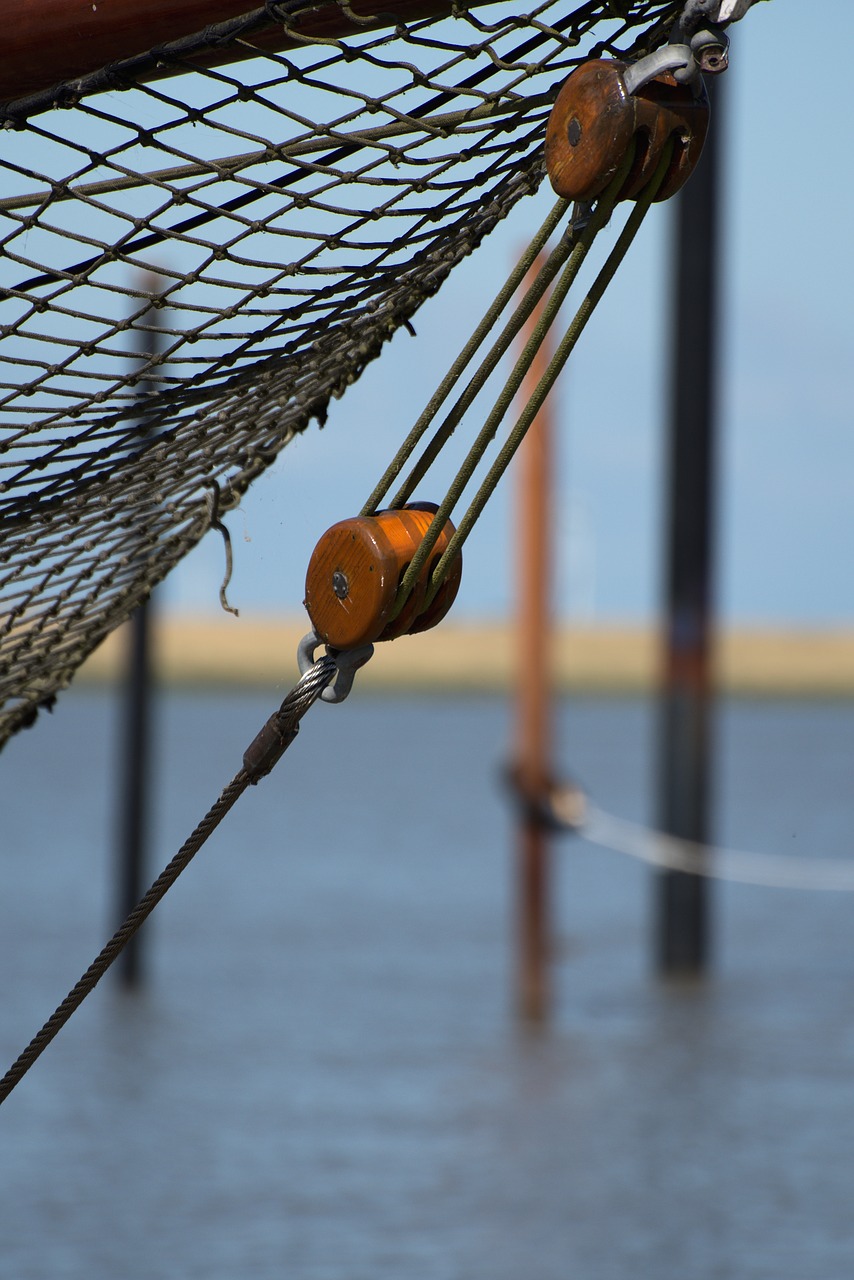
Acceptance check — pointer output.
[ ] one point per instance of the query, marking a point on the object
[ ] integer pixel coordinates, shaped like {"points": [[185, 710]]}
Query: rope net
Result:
{"points": [[194, 264]]}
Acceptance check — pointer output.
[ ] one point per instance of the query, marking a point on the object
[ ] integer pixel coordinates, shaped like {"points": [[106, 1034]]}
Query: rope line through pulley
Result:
{"points": [[617, 132], [398, 570], [564, 808]]}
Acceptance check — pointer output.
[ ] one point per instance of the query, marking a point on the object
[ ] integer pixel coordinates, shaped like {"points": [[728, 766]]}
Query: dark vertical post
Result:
{"points": [[686, 696], [135, 794], [136, 789], [534, 700]]}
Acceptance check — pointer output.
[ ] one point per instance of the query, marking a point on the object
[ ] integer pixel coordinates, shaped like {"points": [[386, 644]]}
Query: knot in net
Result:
{"points": [[205, 241]]}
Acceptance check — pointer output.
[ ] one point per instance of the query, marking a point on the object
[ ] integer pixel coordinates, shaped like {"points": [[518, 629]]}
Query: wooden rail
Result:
{"points": [[47, 42]]}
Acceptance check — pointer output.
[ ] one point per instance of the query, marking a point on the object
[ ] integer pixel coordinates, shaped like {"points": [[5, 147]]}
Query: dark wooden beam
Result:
{"points": [[47, 42], [687, 695]]}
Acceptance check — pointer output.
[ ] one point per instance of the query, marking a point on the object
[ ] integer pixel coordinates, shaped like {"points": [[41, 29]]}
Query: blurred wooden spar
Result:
{"points": [[48, 42], [534, 696]]}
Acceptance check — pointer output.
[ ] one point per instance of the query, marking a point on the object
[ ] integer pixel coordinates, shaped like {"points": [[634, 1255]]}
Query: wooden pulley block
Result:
{"points": [[356, 569], [594, 120]]}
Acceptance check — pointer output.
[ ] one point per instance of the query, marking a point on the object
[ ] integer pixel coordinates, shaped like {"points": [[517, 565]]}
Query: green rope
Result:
{"points": [[457, 368], [545, 275], [532, 408], [579, 251]]}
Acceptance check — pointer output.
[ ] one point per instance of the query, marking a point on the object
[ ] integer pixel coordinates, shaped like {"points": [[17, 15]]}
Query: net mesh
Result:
{"points": [[194, 265]]}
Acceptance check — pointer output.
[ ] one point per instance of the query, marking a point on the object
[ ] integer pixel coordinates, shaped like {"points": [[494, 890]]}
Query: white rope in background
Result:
{"points": [[572, 811]]}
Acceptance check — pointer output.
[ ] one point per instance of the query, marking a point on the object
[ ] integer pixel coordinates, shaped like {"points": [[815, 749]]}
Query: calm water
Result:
{"points": [[324, 1079]]}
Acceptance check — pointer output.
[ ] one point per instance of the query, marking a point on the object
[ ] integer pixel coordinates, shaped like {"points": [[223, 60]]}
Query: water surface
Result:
{"points": [[324, 1077]]}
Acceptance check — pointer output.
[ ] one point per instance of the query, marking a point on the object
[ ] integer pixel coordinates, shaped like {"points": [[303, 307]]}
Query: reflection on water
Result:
{"points": [[323, 1077]]}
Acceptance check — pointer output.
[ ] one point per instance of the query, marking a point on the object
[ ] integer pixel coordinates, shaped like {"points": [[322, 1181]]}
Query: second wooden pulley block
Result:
{"points": [[355, 571], [594, 120]]}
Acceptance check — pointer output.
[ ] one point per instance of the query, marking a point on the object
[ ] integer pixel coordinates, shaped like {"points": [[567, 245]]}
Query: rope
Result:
{"points": [[231, 165], [769, 870], [260, 757], [468, 352], [570, 253], [511, 172], [307, 202], [567, 809], [567, 345]]}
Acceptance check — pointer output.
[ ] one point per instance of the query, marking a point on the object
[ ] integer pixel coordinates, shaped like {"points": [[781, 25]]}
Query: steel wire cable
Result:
{"points": [[260, 758]]}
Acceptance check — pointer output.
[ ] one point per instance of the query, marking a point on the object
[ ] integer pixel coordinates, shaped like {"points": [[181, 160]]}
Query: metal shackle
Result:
{"points": [[595, 118]]}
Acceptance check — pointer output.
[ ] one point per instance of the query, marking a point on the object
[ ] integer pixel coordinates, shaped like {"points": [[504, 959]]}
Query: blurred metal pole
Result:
{"points": [[682, 932], [135, 793], [136, 801], [534, 694]]}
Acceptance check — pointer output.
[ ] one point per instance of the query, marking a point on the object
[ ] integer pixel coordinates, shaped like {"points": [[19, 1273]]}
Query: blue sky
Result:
{"points": [[786, 446]]}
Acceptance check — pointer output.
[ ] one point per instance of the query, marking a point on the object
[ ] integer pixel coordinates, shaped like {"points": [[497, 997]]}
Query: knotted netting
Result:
{"points": [[206, 242]]}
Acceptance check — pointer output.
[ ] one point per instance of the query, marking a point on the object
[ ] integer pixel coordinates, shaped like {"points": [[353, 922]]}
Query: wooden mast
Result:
{"points": [[46, 42]]}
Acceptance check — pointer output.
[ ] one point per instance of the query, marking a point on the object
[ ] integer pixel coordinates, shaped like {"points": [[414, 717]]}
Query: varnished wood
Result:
{"points": [[355, 571], [589, 130], [594, 119], [46, 42]]}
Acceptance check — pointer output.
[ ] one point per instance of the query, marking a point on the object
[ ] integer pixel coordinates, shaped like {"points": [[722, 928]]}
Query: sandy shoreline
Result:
{"points": [[261, 651]]}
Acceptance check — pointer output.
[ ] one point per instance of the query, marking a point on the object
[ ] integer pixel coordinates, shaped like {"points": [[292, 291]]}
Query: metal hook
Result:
{"points": [[707, 51], [347, 661], [582, 212]]}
